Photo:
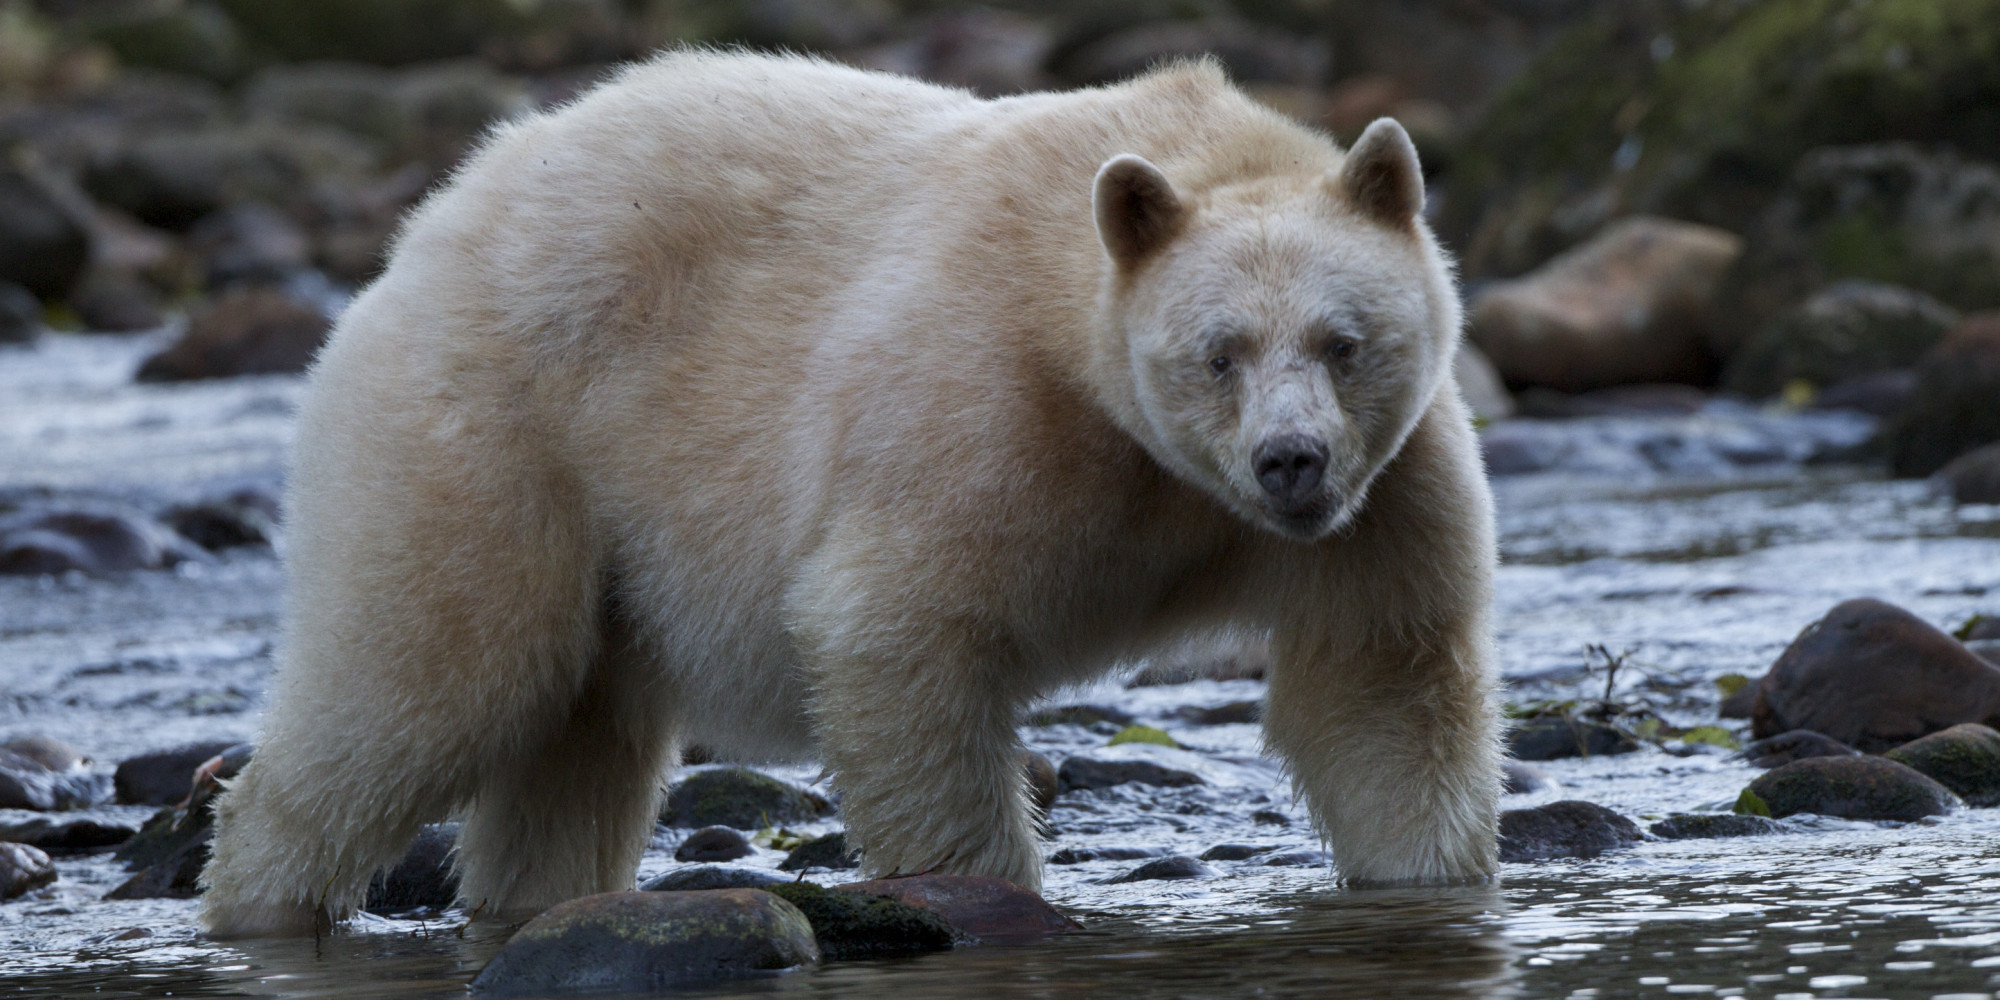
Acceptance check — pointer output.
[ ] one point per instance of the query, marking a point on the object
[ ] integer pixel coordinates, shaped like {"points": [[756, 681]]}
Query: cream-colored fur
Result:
{"points": [[798, 410]]}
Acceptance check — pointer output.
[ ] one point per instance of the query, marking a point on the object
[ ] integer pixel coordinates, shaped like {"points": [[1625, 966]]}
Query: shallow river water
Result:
{"points": [[1696, 574]]}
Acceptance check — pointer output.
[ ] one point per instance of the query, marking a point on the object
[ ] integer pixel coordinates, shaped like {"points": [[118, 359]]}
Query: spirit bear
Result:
{"points": [[804, 411]]}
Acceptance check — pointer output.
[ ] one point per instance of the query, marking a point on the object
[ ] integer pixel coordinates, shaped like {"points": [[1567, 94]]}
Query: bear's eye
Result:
{"points": [[1343, 349], [1220, 364]]}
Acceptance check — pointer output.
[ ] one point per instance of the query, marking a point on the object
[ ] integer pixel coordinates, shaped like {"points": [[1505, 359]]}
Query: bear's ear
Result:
{"points": [[1137, 210], [1380, 176]]}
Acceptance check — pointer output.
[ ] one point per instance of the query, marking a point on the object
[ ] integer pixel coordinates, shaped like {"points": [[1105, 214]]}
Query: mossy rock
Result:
{"points": [[1964, 758], [1701, 826], [740, 798], [1859, 787], [828, 852], [1699, 111], [1553, 737], [856, 925]]}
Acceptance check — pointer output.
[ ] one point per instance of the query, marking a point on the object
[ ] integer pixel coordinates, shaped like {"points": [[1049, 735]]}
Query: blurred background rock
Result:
{"points": [[1790, 200]]}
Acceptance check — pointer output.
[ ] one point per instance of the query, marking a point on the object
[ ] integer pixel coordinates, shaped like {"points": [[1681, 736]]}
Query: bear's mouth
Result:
{"points": [[1308, 520]]}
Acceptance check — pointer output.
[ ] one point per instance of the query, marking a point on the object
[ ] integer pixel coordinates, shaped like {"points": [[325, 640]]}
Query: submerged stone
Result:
{"points": [[714, 843], [1964, 758], [424, 877], [1232, 852], [828, 852], [1176, 867], [1087, 772], [712, 877], [863, 925], [76, 833], [1701, 826], [1858, 787], [1079, 855], [1566, 829], [740, 798], [984, 909], [1555, 737], [1798, 744], [641, 942]]}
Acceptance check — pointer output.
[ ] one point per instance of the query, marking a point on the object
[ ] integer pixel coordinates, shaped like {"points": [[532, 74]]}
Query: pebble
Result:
{"points": [[712, 877], [1874, 676], [740, 798], [1222, 715], [984, 909], [23, 869], [849, 925], [646, 942], [1566, 829], [1086, 772], [1298, 859], [1696, 826], [1964, 758], [1176, 867], [424, 878], [1799, 744], [1554, 737], [829, 852], [162, 777], [1858, 787], [1232, 852], [714, 843]]}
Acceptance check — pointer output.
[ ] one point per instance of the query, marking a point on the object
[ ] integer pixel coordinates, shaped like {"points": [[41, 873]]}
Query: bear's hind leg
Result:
{"points": [[571, 815]]}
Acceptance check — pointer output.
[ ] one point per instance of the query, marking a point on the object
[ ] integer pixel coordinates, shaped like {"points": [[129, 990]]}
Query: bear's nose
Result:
{"points": [[1289, 467]]}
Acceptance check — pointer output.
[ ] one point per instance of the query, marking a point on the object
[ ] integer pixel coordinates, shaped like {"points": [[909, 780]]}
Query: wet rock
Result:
{"points": [[1986, 649], [715, 843], [44, 239], [1253, 53], [1859, 787], [117, 301], [828, 852], [1738, 704], [740, 798], [1297, 859], [1973, 477], [1956, 405], [176, 876], [247, 516], [1086, 772], [984, 909], [1979, 627], [1845, 331], [1232, 852], [1701, 826], [1964, 758], [1522, 779], [424, 878], [94, 540], [1554, 737], [170, 178], [20, 314], [1566, 829], [642, 942], [26, 783], [1166, 869], [1874, 676], [1270, 817], [850, 925], [1223, 715], [63, 836], [712, 877], [1043, 783], [23, 869], [1079, 855], [249, 244], [249, 331], [1081, 715], [1625, 307], [1798, 744], [163, 777], [47, 751], [1480, 383]]}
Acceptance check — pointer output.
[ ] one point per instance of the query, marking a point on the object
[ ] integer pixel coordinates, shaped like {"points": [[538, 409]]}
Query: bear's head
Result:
{"points": [[1274, 340]]}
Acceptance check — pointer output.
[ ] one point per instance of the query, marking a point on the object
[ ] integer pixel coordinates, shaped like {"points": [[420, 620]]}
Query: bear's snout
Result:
{"points": [[1290, 467]]}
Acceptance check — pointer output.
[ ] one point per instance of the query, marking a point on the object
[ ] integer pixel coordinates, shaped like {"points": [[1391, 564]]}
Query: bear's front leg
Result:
{"points": [[916, 723], [1382, 687]]}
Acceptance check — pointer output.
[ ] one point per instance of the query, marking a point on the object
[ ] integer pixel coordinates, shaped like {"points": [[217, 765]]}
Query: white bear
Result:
{"points": [[798, 410]]}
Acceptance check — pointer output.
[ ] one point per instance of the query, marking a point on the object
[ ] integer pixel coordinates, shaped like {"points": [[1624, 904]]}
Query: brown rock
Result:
{"points": [[1874, 676], [1624, 307], [1799, 744], [989, 910], [1973, 477], [116, 301], [252, 331], [1857, 787], [644, 942], [1956, 405]]}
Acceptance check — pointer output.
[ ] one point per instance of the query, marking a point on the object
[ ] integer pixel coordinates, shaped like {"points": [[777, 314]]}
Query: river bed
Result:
{"points": [[1690, 574]]}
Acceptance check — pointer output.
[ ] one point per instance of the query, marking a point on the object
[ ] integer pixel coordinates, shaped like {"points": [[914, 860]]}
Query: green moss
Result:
{"points": [[1964, 758], [1751, 804], [1143, 734]]}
